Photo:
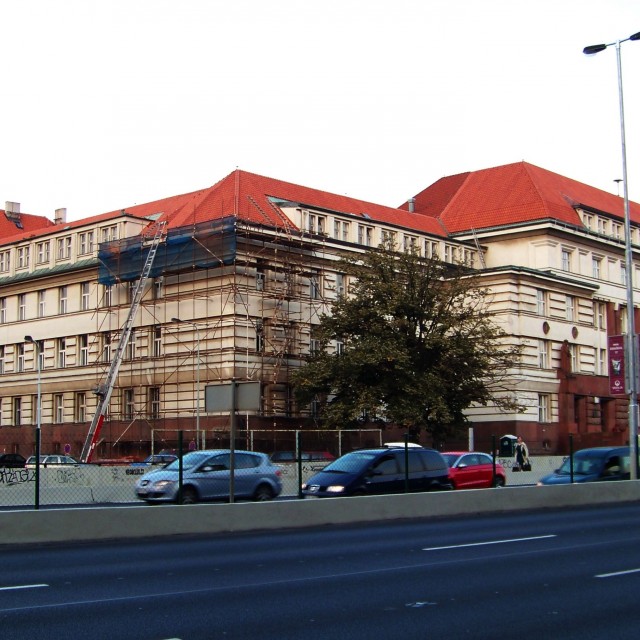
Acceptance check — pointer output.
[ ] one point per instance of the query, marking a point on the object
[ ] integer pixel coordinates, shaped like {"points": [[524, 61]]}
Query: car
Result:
{"points": [[596, 464], [12, 461], [206, 476], [161, 459], [473, 470], [52, 460], [307, 456], [379, 471]]}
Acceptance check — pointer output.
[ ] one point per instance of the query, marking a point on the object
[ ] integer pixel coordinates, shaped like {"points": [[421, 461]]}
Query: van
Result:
{"points": [[592, 465]]}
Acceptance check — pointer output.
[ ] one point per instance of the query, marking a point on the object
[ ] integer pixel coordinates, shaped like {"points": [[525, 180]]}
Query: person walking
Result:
{"points": [[521, 456]]}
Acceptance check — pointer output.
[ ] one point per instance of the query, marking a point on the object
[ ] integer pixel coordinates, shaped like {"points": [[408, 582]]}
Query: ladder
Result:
{"points": [[104, 390]]}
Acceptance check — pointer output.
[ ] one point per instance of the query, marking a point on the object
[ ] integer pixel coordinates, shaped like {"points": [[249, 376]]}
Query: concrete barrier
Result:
{"points": [[67, 525]]}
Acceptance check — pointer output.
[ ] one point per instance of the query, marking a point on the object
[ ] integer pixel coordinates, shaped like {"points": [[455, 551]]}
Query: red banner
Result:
{"points": [[616, 355]]}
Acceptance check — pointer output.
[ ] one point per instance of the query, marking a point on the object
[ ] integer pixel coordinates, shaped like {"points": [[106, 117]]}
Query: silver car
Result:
{"points": [[206, 475]]}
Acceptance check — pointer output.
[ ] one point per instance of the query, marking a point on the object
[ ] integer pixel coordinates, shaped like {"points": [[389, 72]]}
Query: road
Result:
{"points": [[548, 574]]}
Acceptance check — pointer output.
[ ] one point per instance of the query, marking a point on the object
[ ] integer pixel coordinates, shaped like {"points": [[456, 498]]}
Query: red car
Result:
{"points": [[473, 470]]}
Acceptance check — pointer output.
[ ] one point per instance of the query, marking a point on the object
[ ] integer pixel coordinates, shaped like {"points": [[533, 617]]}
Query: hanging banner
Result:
{"points": [[616, 357]]}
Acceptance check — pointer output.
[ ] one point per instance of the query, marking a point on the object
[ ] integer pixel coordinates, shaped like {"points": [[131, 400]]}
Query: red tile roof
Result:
{"points": [[20, 223], [513, 193]]}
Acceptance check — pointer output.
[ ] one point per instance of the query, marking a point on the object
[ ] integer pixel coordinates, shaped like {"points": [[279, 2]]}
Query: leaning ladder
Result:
{"points": [[104, 390]]}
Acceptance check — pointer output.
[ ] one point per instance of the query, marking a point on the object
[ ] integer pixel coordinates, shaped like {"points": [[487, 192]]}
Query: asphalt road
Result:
{"points": [[549, 574]]}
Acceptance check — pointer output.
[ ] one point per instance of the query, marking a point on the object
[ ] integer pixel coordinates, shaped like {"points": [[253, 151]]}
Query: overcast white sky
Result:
{"points": [[108, 103]]}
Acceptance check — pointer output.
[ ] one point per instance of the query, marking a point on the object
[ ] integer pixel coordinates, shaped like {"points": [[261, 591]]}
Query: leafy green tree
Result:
{"points": [[419, 347]]}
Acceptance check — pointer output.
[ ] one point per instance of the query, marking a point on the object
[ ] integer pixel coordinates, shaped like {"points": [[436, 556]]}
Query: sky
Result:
{"points": [[111, 103]]}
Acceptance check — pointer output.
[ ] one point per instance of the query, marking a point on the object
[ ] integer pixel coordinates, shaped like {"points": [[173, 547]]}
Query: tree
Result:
{"points": [[419, 347]]}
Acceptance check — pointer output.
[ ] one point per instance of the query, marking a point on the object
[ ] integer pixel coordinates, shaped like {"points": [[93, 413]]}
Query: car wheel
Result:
{"points": [[263, 493], [498, 482], [189, 496]]}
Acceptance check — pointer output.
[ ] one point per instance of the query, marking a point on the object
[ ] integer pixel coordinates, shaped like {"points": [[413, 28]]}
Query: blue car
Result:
{"points": [[592, 465], [380, 471]]}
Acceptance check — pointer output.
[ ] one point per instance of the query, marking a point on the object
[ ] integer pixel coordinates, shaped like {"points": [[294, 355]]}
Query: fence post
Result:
{"points": [[299, 461], [571, 456], [493, 457], [37, 488], [406, 463], [180, 443]]}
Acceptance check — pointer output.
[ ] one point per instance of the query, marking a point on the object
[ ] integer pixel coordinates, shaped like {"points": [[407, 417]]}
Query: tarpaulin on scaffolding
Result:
{"points": [[205, 245]]}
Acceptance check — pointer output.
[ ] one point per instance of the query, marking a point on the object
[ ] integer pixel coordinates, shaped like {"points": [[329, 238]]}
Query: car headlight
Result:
{"points": [[304, 485], [163, 484], [335, 488]]}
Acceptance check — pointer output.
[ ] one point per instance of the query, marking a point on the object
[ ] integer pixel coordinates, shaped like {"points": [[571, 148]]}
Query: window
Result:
{"points": [[410, 243], [315, 284], [603, 225], [314, 346], [365, 235], [130, 350], [3, 310], [389, 237], [85, 243], [128, 405], [541, 302], [62, 300], [543, 354], [41, 303], [574, 353], [602, 362], [588, 221], [4, 261], [1, 359], [23, 257], [61, 349], [40, 350], [158, 288], [259, 335], [339, 347], [340, 230], [84, 296], [157, 341], [106, 347], [570, 308], [80, 409], [58, 408], [107, 295], [544, 407], [154, 402], [596, 267], [566, 260], [22, 306], [83, 350], [43, 252], [109, 233], [430, 249], [17, 411], [20, 357], [340, 285], [616, 230], [64, 248], [599, 315], [623, 273], [316, 223], [260, 278]]}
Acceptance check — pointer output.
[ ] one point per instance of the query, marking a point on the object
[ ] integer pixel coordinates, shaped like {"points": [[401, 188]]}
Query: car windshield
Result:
{"points": [[189, 461], [350, 462], [450, 458], [584, 463]]}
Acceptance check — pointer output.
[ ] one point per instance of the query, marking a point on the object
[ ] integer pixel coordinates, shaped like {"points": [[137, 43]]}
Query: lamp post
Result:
{"points": [[631, 355], [36, 346], [199, 441]]}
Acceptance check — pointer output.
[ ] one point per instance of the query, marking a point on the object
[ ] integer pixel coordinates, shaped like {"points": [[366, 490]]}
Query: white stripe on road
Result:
{"points": [[480, 544], [23, 586], [618, 573]]}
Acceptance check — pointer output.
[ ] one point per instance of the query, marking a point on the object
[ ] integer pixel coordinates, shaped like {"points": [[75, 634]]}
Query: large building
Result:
{"points": [[244, 271]]}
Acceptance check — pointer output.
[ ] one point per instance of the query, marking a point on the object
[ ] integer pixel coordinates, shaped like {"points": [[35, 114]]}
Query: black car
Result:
{"points": [[592, 465], [12, 461], [380, 471]]}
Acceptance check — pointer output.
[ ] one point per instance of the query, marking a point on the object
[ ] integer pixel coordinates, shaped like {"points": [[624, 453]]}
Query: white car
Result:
{"points": [[50, 461]]}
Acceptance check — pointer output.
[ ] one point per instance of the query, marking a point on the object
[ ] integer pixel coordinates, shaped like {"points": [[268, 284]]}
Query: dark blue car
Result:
{"points": [[380, 471], [592, 465]]}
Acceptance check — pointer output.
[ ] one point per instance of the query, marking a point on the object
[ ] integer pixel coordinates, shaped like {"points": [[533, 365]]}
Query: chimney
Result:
{"points": [[60, 216], [12, 210], [412, 204]]}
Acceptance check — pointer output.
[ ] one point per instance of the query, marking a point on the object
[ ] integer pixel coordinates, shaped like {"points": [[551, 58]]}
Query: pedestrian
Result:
{"points": [[521, 453]]}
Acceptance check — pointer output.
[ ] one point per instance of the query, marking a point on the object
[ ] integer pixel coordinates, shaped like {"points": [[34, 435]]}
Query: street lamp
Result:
{"points": [[631, 331], [195, 326], [37, 348]]}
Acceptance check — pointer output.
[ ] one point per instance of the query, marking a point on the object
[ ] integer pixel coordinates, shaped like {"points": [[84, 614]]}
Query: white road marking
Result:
{"points": [[618, 573], [23, 586], [480, 544]]}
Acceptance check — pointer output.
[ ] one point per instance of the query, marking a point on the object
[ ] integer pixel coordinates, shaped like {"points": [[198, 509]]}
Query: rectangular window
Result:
{"points": [[154, 402], [1, 359], [58, 408], [602, 362], [340, 230], [83, 350], [316, 223], [106, 347], [22, 306], [574, 355], [43, 252], [260, 279], [23, 257], [389, 237], [596, 267], [571, 308], [430, 249], [603, 225], [616, 230], [314, 346], [128, 406], [17, 411], [130, 350], [543, 354], [623, 274], [107, 295], [340, 285], [4, 261], [109, 234], [85, 243], [339, 347], [566, 260], [84, 296], [20, 357], [315, 284], [80, 408], [259, 335], [541, 302], [365, 235], [3, 310], [61, 352], [64, 248], [410, 243], [158, 288], [41, 303], [157, 341], [62, 300], [599, 315], [544, 407]]}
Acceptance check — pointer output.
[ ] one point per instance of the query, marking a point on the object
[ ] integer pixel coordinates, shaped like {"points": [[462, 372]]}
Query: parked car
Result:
{"points": [[592, 465], [473, 470], [206, 475], [379, 471], [307, 456], [158, 459], [12, 461], [50, 461]]}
